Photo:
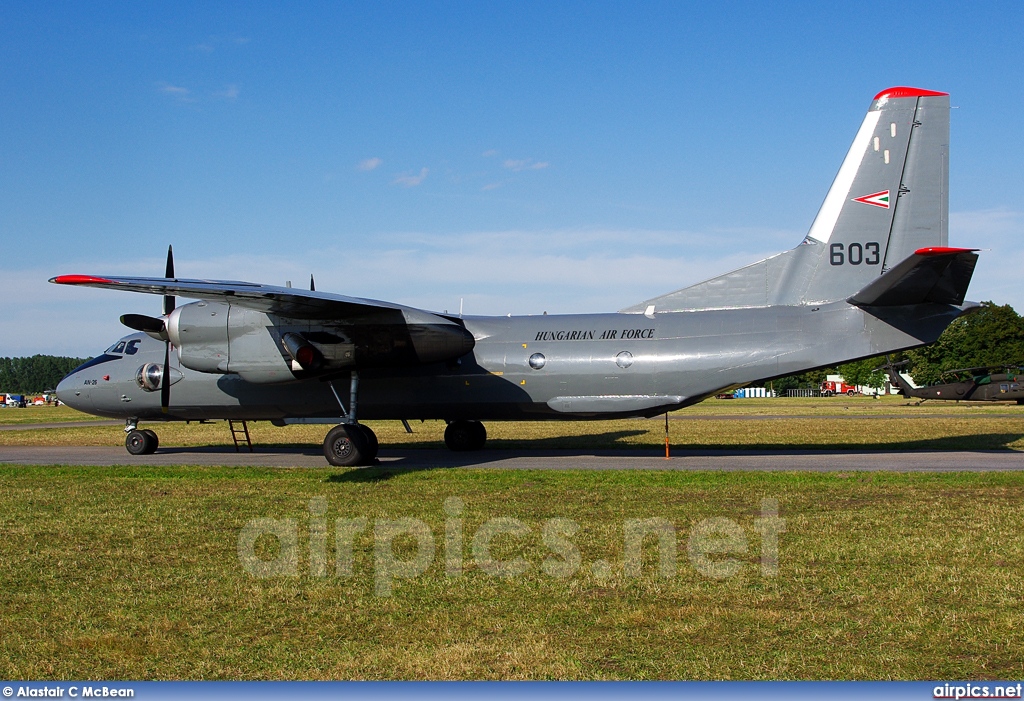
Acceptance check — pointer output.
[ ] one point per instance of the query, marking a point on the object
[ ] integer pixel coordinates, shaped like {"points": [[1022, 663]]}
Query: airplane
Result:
{"points": [[968, 384], [873, 275]]}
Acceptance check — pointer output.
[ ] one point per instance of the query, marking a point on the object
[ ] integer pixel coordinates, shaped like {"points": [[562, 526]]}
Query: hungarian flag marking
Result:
{"points": [[875, 199]]}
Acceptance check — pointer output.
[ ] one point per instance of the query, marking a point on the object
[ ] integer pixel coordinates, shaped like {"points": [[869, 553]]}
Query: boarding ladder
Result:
{"points": [[240, 434]]}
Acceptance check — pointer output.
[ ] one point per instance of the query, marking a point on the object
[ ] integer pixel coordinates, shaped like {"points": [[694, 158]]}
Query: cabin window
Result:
{"points": [[1004, 388], [537, 361], [624, 359]]}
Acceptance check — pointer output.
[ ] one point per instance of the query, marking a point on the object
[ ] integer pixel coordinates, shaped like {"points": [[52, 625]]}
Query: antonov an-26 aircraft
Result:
{"points": [[873, 275]]}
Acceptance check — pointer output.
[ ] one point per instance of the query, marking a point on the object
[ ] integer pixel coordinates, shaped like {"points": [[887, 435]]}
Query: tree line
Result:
{"points": [[988, 336], [35, 374]]}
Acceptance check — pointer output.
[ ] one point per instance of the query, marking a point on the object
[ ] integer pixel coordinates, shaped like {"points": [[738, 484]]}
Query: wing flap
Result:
{"points": [[937, 275]]}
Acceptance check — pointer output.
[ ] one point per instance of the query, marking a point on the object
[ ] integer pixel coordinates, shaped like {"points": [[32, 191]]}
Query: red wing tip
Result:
{"points": [[942, 251], [908, 92], [80, 280]]}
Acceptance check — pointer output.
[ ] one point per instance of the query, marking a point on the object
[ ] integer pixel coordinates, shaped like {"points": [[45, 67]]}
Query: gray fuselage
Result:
{"points": [[593, 366]]}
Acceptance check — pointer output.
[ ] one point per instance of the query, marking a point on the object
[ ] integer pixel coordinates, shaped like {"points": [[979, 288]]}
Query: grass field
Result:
{"points": [[134, 573]]}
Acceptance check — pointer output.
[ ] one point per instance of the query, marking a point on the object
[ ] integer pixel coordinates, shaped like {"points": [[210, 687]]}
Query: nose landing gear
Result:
{"points": [[139, 441]]}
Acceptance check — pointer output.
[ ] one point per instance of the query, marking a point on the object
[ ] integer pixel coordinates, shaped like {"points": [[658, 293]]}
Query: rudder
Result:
{"points": [[890, 197]]}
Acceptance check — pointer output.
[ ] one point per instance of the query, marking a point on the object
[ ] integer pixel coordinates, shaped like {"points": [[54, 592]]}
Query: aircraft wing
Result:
{"points": [[286, 301], [938, 274]]}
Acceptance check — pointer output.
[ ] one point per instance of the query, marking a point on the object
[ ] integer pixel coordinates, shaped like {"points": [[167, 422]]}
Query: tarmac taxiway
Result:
{"points": [[625, 459]]}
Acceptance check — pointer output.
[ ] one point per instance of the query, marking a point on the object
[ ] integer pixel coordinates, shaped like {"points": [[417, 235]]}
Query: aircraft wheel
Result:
{"points": [[346, 446], [140, 442], [372, 445], [462, 436], [152, 434]]}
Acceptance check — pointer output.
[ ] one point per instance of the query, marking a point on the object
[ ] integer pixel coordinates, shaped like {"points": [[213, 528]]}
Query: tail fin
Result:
{"points": [[889, 199]]}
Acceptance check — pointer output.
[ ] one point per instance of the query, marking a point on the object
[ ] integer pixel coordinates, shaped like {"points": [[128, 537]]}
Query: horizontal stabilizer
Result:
{"points": [[938, 275]]}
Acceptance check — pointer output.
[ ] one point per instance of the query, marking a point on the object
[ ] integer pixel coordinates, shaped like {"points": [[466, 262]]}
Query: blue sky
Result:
{"points": [[521, 157]]}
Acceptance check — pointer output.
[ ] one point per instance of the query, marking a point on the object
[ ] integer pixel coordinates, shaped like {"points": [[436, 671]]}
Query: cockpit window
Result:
{"points": [[127, 347]]}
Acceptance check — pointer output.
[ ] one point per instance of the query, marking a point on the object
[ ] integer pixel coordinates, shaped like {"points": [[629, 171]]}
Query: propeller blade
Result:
{"points": [[312, 285], [165, 380], [141, 322], [169, 274]]}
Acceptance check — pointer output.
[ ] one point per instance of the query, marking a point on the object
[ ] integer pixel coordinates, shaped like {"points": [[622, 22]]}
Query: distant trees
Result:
{"points": [[864, 373], [991, 335], [36, 374]]}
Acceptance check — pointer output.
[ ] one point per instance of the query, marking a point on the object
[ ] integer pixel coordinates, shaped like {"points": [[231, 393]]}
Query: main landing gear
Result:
{"points": [[350, 444], [139, 441], [463, 436]]}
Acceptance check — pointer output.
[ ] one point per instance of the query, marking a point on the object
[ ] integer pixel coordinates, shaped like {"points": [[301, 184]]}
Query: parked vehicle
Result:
{"points": [[830, 388]]}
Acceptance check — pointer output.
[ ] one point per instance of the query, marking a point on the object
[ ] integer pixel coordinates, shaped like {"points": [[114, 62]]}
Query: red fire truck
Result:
{"points": [[830, 388]]}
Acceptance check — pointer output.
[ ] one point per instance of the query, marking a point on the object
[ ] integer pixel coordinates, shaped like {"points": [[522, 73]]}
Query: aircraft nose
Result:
{"points": [[71, 392]]}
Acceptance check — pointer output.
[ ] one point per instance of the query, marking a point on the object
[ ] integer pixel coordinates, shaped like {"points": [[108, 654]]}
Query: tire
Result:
{"points": [[155, 438], [850, 392], [346, 446], [465, 436], [140, 442], [372, 445]]}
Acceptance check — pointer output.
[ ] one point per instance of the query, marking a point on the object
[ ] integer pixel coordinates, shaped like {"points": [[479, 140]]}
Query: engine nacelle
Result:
{"points": [[216, 337], [200, 333], [222, 338]]}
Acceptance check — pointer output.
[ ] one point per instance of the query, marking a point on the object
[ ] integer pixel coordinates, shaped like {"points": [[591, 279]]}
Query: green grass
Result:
{"points": [[133, 573], [42, 414]]}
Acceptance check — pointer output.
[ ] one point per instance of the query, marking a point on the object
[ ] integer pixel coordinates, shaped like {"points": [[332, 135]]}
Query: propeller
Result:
{"points": [[165, 380], [169, 274], [158, 326], [141, 322]]}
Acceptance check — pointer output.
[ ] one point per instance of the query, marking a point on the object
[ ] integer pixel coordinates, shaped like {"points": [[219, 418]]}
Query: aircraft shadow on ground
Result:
{"points": [[496, 452], [591, 441], [407, 458]]}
